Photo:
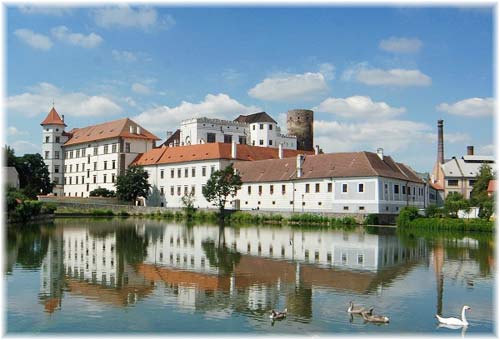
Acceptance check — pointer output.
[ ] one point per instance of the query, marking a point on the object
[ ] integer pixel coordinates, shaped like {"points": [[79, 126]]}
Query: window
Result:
{"points": [[193, 172], [56, 169], [58, 139], [162, 193], [172, 191], [396, 189], [71, 168], [283, 189], [253, 143], [161, 174], [253, 127], [83, 166], [88, 173], [271, 189], [307, 187], [56, 154], [95, 166], [88, 159], [193, 191], [56, 180], [261, 126], [105, 165], [346, 207], [83, 152], [113, 165], [47, 138], [47, 153], [76, 180], [453, 182], [186, 172], [127, 147], [65, 168], [270, 126], [83, 179], [270, 142], [104, 178], [242, 140], [113, 148], [77, 152], [172, 173], [204, 171], [317, 187], [360, 259], [70, 179], [112, 178], [95, 179], [361, 208], [106, 148], [212, 169], [95, 151], [330, 187], [261, 142], [210, 137], [472, 182], [228, 138], [77, 167], [404, 189], [249, 188], [361, 187], [344, 187], [260, 189], [178, 190], [179, 173]]}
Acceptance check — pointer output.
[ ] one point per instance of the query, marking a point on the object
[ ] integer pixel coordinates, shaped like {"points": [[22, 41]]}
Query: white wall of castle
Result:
{"points": [[52, 153]]}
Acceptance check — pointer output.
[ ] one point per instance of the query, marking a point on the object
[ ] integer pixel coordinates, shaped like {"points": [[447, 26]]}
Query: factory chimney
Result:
{"points": [[440, 153], [470, 150]]}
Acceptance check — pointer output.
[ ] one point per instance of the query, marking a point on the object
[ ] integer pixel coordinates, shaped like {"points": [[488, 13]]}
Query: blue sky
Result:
{"points": [[375, 77]]}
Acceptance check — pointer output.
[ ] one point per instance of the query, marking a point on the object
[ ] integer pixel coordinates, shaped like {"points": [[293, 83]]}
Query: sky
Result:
{"points": [[376, 77]]}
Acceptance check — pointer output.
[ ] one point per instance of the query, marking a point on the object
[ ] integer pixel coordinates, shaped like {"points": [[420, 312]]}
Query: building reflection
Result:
{"points": [[208, 269]]}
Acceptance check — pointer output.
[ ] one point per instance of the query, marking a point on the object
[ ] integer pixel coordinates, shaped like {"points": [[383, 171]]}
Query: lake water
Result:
{"points": [[148, 276]]}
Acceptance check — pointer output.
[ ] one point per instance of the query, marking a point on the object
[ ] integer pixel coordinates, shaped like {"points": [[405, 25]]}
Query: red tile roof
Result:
{"points": [[113, 129], [53, 118], [492, 185], [198, 152], [346, 164]]}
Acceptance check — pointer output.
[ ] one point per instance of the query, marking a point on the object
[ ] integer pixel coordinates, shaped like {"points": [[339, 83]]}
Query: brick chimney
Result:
{"points": [[440, 151], [470, 150]]}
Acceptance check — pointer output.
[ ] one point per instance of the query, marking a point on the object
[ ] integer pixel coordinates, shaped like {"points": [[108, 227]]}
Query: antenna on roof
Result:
{"points": [[52, 102]]}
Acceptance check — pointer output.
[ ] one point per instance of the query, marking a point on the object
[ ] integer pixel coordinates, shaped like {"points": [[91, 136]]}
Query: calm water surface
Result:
{"points": [[137, 275]]}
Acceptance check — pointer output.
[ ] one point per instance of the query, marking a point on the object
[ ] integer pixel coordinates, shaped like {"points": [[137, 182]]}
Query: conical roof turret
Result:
{"points": [[53, 118]]}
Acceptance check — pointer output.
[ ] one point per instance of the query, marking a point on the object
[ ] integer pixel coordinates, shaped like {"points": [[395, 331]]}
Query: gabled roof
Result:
{"points": [[201, 152], [259, 117], [466, 166], [113, 129], [53, 118], [346, 164]]}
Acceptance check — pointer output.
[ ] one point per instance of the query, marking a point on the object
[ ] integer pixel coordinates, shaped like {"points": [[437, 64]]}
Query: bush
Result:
{"points": [[26, 210], [102, 212], [433, 211], [48, 208], [371, 219], [406, 215], [13, 196], [102, 192], [451, 224], [123, 213]]}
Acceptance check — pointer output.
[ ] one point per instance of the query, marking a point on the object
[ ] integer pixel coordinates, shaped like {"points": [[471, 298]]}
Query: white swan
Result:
{"points": [[455, 321]]}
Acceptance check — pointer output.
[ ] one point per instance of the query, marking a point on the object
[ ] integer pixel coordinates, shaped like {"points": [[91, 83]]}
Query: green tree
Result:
{"points": [[220, 185], [10, 156], [454, 202], [188, 205], [479, 193], [134, 183], [33, 175], [102, 192]]}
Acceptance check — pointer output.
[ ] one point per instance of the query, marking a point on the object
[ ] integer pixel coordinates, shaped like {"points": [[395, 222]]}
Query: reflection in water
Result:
{"points": [[220, 271]]}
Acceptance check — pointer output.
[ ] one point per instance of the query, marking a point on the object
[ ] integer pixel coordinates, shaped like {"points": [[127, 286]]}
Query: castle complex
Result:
{"points": [[280, 172]]}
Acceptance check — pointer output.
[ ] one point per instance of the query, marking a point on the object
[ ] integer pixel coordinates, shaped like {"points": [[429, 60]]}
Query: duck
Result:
{"points": [[277, 315], [368, 316], [357, 310], [455, 321]]}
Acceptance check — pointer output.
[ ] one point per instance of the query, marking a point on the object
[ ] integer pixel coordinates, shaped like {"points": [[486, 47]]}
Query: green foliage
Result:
{"points": [[486, 208], [48, 208], [406, 215], [220, 185], [474, 224], [102, 192], [10, 156], [102, 212], [371, 219], [221, 256], [33, 173], [13, 196], [27, 209], [134, 183], [188, 205], [480, 187], [455, 202], [433, 211], [123, 213]]}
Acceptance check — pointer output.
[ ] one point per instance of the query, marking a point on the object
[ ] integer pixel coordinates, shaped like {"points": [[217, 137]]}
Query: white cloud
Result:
{"points": [[472, 107], [327, 70], [451, 138], [62, 33], [358, 107], [393, 77], [391, 135], [39, 99], [125, 56], [488, 149], [22, 147], [144, 18], [140, 88], [286, 87], [13, 131], [401, 45], [165, 118], [54, 11], [35, 40]]}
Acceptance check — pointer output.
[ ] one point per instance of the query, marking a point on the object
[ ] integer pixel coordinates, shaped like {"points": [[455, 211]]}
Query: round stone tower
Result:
{"points": [[299, 123]]}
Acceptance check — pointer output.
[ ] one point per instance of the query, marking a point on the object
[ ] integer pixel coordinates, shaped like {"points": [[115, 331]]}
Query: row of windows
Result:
{"points": [[454, 182], [405, 190], [179, 190], [261, 142], [82, 152], [345, 187], [180, 172], [57, 139], [47, 155], [69, 179], [77, 167], [261, 126]]}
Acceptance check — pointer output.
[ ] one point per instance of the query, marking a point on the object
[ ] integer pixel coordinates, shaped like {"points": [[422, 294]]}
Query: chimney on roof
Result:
{"points": [[380, 153], [470, 150], [316, 150], [440, 153], [131, 129], [63, 118], [300, 162], [233, 150], [280, 151]]}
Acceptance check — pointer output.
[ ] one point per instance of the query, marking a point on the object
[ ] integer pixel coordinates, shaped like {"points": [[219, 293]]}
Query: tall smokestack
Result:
{"points": [[440, 154], [470, 150]]}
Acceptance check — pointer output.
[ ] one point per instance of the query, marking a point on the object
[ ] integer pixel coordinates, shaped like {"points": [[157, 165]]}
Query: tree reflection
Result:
{"points": [[131, 246], [33, 247], [221, 256]]}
